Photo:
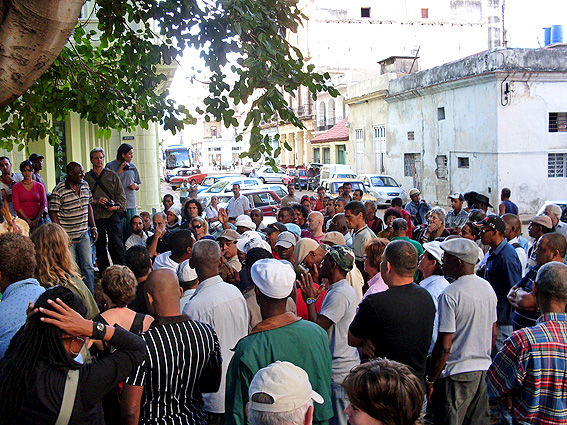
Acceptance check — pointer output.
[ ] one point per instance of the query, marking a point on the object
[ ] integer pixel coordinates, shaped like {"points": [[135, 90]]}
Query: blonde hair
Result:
{"points": [[203, 222], [55, 262]]}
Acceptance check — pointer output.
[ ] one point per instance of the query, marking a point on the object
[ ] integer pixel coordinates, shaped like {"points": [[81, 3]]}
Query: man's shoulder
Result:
{"points": [[60, 187]]}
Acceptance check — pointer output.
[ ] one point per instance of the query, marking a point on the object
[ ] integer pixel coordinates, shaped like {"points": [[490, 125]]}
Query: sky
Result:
{"points": [[524, 20]]}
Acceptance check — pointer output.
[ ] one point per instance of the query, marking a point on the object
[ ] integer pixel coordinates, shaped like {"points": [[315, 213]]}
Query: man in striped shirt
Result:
{"points": [[70, 207], [529, 371], [184, 360]]}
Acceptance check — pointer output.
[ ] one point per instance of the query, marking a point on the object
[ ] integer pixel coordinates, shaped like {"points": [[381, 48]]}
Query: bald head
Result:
{"points": [[513, 226], [315, 222], [163, 293]]}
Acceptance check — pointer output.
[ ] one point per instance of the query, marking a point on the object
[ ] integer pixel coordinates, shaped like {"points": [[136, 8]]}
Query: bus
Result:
{"points": [[177, 156]]}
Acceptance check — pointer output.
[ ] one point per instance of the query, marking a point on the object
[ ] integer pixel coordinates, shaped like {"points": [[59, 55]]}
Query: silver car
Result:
{"points": [[268, 175], [383, 187], [224, 187]]}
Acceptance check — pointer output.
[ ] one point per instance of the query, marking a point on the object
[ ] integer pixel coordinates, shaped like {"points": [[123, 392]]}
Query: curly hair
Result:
{"points": [[56, 264], [119, 284], [387, 391], [374, 249], [17, 257], [185, 213]]}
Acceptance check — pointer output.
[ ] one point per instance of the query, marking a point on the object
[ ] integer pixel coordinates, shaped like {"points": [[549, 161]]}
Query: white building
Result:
{"points": [[493, 120], [348, 40]]}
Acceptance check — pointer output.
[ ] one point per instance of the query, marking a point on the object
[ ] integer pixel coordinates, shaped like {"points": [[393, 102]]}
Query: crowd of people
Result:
{"points": [[328, 315]]}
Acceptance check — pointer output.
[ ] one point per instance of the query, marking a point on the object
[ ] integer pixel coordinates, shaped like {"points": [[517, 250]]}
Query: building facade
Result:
{"points": [[488, 121]]}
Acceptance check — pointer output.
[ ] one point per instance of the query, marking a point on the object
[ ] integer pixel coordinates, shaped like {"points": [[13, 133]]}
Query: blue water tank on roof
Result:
{"points": [[547, 36], [556, 34]]}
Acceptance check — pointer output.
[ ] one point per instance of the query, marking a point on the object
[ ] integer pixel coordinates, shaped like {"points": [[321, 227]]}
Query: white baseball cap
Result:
{"points": [[244, 244], [273, 278], [286, 239], [286, 383]]}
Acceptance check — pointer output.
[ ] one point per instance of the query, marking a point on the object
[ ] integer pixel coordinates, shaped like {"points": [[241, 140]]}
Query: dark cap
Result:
{"points": [[274, 227], [492, 222], [35, 157]]}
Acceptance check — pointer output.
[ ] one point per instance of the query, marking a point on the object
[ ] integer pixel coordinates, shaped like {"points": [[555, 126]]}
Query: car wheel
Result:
{"points": [[263, 180]]}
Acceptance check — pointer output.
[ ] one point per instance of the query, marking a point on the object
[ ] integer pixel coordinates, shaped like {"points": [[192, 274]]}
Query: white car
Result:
{"points": [[279, 189], [224, 187], [268, 175], [383, 187]]}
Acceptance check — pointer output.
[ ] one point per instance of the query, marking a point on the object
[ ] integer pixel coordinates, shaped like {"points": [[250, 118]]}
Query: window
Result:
{"points": [[463, 161], [365, 12], [411, 135], [440, 113], [380, 149], [441, 171], [317, 155], [326, 155], [409, 164], [213, 131], [556, 166], [359, 138], [341, 154], [557, 122], [424, 13]]}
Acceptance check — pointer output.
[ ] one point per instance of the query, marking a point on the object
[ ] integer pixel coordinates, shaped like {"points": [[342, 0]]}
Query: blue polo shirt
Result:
{"points": [[503, 271], [13, 309]]}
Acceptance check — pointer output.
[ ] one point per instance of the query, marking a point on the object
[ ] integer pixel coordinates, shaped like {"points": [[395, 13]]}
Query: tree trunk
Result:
{"points": [[32, 34]]}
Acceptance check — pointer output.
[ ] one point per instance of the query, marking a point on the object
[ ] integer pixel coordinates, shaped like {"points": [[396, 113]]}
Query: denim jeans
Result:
{"points": [[340, 402], [83, 257]]}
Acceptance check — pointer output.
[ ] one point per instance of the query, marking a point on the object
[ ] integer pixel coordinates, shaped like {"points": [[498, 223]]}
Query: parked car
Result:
{"points": [[384, 188], [280, 189], [288, 179], [211, 180], [248, 167], [300, 179], [169, 174], [266, 200], [224, 187], [332, 188], [337, 171], [268, 175], [561, 203], [190, 174]]}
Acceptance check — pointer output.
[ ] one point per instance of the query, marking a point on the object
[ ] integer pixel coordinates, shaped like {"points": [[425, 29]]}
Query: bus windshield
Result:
{"points": [[177, 157]]}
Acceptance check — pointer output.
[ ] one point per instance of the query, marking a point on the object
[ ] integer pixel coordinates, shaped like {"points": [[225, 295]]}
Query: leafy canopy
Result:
{"points": [[113, 77]]}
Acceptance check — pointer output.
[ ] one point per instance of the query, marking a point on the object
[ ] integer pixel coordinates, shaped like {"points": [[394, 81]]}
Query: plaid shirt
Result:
{"points": [[532, 367]]}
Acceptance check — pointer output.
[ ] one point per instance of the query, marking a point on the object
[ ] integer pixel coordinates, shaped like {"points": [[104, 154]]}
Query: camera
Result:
{"points": [[126, 166], [109, 204]]}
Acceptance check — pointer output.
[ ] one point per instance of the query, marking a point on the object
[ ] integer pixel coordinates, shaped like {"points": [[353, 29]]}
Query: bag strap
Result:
{"points": [[69, 396], [138, 323], [98, 182]]}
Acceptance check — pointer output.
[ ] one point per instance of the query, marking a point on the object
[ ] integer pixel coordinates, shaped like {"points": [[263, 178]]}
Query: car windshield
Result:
{"points": [[209, 181], [218, 186], [345, 176], [383, 181], [355, 185]]}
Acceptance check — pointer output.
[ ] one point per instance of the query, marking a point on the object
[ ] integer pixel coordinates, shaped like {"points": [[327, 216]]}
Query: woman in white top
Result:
{"points": [[212, 211]]}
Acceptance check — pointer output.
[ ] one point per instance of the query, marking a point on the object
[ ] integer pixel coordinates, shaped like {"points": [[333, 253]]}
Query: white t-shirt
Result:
{"points": [[164, 261], [435, 285], [339, 306], [136, 240], [16, 177]]}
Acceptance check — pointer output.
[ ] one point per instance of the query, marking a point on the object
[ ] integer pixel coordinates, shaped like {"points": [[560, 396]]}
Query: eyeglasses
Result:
{"points": [[197, 226]]}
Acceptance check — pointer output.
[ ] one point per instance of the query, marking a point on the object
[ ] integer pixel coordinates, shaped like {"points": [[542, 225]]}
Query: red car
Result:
{"points": [[190, 174]]}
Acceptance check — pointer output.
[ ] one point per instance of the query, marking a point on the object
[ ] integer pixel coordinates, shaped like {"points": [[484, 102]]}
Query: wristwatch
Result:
{"points": [[99, 331], [310, 301]]}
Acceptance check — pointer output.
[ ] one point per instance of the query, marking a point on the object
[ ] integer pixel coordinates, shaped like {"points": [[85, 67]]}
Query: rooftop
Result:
{"points": [[337, 133]]}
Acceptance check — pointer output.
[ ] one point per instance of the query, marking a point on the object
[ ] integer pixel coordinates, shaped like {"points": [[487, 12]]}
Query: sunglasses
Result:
{"points": [[483, 231], [197, 226]]}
